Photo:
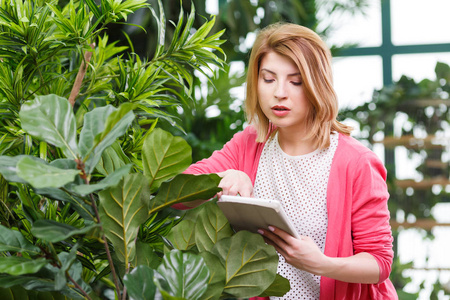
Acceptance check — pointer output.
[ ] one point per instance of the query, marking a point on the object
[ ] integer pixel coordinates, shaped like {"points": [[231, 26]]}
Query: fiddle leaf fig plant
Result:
{"points": [[89, 180]]}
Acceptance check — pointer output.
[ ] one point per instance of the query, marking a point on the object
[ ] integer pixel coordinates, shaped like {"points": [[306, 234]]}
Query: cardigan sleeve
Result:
{"points": [[371, 231], [240, 153], [237, 154]]}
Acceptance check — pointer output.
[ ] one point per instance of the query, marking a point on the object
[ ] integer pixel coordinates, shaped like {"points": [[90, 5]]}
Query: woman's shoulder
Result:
{"points": [[350, 144], [356, 158], [351, 149], [249, 134]]}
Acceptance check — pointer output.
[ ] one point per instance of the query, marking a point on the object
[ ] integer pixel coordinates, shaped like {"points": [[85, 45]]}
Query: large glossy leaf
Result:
{"points": [[15, 265], [183, 275], [164, 156], [50, 118], [34, 283], [93, 125], [211, 226], [250, 264], [53, 231], [13, 240], [41, 175], [102, 126], [123, 209], [110, 180], [139, 283], [182, 236], [8, 167], [278, 288], [184, 188], [216, 282]]}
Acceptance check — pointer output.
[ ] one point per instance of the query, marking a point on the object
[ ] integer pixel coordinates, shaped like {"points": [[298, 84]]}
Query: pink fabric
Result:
{"points": [[358, 217]]}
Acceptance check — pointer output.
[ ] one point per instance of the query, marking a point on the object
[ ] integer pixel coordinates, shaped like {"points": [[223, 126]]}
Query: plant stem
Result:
{"points": [[79, 79], [124, 295], [78, 286]]}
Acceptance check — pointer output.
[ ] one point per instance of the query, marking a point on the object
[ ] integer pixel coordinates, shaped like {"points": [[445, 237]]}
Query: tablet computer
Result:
{"points": [[244, 213]]}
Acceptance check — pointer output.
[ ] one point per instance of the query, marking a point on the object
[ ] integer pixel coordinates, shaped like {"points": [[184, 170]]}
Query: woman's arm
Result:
{"points": [[304, 254]]}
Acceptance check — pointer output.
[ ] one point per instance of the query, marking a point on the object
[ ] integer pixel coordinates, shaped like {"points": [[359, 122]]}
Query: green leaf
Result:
{"points": [[139, 283], [93, 125], [250, 264], [54, 232], [102, 127], [184, 188], [50, 118], [110, 180], [146, 255], [41, 175], [84, 209], [15, 265], [278, 288], [94, 8], [216, 281], [123, 209], [183, 275], [112, 159], [13, 240], [182, 236], [8, 167], [66, 259], [211, 226], [164, 156]]}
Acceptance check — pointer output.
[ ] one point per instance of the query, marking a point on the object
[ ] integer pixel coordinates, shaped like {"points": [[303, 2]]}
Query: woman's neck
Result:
{"points": [[295, 144]]}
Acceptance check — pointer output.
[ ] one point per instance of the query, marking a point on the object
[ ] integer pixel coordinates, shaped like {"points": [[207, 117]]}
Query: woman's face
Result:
{"points": [[281, 93]]}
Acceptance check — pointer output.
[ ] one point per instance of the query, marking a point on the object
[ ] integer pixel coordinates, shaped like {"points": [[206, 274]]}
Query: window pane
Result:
{"points": [[355, 79], [363, 29], [420, 22], [417, 66]]}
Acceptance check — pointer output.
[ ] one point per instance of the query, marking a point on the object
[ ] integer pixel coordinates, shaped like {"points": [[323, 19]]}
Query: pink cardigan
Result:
{"points": [[358, 216]]}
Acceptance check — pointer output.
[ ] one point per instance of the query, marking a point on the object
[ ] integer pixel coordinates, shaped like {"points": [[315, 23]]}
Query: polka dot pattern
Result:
{"points": [[300, 183]]}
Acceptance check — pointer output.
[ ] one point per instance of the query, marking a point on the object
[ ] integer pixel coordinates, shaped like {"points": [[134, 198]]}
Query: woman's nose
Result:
{"points": [[280, 91]]}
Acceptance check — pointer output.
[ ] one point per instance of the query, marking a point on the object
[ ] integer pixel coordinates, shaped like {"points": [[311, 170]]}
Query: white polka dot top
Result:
{"points": [[300, 183]]}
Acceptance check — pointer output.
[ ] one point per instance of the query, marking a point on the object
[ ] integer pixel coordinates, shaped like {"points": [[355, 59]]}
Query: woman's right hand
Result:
{"points": [[235, 182]]}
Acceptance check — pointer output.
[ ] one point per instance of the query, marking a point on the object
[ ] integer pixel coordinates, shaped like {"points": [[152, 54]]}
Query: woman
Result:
{"points": [[295, 151]]}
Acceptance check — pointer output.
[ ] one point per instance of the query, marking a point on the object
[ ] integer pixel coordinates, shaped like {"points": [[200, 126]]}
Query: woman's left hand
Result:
{"points": [[302, 253]]}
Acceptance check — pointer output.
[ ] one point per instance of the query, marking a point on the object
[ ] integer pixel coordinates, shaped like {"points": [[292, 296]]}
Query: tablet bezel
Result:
{"points": [[245, 213]]}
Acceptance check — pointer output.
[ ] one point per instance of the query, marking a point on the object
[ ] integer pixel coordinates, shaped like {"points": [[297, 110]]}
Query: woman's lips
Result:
{"points": [[280, 111]]}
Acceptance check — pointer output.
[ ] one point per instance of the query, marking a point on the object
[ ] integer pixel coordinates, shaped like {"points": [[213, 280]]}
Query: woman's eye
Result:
{"points": [[296, 83], [268, 80]]}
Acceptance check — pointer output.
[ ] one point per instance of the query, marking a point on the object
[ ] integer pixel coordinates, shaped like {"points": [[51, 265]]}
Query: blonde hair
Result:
{"points": [[313, 59]]}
